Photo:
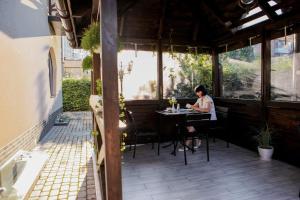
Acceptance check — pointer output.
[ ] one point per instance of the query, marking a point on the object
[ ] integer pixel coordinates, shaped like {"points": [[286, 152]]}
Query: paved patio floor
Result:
{"points": [[68, 174], [233, 173]]}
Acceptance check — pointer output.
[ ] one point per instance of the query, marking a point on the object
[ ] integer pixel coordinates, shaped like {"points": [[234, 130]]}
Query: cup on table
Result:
{"points": [[188, 106]]}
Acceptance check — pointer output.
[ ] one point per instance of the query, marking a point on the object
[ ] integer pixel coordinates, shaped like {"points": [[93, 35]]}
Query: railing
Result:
{"points": [[99, 141], [52, 8]]}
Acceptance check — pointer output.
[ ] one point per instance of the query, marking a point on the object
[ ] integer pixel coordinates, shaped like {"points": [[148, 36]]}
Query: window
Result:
{"points": [[242, 73], [183, 72], [52, 74], [285, 69], [139, 82]]}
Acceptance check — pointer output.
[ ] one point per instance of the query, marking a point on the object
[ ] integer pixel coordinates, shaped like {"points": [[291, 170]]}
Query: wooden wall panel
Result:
{"points": [[242, 115], [144, 113], [286, 123]]}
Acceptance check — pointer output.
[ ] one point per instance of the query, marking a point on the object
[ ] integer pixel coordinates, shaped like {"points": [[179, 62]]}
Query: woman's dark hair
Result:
{"points": [[202, 89]]}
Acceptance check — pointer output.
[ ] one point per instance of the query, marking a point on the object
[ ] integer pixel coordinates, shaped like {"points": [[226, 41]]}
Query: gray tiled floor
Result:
{"points": [[232, 174]]}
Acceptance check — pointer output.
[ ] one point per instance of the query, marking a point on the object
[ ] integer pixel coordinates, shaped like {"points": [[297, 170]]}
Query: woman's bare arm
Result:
{"points": [[196, 107]]}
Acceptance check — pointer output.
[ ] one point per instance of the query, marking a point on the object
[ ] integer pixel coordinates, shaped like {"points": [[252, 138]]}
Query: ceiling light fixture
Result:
{"points": [[247, 4]]}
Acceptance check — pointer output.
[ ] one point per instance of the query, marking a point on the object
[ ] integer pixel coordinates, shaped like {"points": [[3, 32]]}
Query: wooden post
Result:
{"points": [[216, 73], [265, 72], [96, 71], [296, 68], [108, 28], [159, 71]]}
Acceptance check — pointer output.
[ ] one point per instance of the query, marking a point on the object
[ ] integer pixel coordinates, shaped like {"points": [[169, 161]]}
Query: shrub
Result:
{"points": [[76, 94]]}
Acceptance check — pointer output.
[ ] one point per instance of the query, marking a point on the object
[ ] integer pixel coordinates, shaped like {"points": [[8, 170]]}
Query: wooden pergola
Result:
{"points": [[212, 26]]}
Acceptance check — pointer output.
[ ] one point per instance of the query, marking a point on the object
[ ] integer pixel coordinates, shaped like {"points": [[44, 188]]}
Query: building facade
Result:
{"points": [[31, 75]]}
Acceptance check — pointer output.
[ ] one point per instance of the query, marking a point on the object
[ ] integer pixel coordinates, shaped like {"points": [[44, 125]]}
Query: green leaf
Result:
{"points": [[87, 63]]}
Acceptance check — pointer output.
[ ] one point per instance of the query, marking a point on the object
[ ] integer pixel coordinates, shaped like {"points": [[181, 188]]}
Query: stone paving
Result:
{"points": [[68, 174]]}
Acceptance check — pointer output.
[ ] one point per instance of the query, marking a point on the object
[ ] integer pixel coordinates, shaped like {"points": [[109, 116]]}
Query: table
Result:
{"points": [[177, 118]]}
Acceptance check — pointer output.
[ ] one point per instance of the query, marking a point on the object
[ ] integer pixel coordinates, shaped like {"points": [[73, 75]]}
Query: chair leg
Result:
{"points": [[207, 147], [158, 145], [184, 150], [175, 143], [228, 138], [152, 144], [193, 144], [134, 148], [214, 138]]}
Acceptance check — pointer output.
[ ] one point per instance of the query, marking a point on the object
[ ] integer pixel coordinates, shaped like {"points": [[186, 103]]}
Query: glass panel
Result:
{"points": [[139, 82], [183, 72], [242, 73], [285, 70]]}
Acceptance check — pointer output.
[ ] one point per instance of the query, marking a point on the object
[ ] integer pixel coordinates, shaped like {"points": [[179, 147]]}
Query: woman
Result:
{"points": [[204, 103]]}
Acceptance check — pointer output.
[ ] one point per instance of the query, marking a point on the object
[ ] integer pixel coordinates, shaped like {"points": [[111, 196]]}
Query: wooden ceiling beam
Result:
{"points": [[129, 4], [247, 19], [95, 9], [176, 41], [162, 18], [252, 17], [121, 29], [264, 5], [281, 21], [210, 11]]}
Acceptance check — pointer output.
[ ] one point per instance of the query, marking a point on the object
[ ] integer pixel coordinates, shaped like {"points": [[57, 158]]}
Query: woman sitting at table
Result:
{"points": [[203, 104]]}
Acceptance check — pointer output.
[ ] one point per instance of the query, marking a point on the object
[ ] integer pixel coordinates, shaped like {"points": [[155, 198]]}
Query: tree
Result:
{"points": [[193, 70], [243, 54]]}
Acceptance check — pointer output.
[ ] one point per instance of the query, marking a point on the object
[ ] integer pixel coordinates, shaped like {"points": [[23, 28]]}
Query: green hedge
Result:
{"points": [[76, 94]]}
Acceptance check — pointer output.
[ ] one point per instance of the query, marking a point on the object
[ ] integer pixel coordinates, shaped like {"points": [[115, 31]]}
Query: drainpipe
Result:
{"points": [[65, 17]]}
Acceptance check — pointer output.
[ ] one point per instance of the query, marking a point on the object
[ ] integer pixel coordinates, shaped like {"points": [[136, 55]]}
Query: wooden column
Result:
{"points": [[296, 68], [108, 28], [216, 73], [265, 72], [159, 71], [96, 71]]}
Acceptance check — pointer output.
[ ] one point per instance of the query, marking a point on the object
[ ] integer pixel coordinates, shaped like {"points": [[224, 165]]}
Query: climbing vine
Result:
{"points": [[122, 117]]}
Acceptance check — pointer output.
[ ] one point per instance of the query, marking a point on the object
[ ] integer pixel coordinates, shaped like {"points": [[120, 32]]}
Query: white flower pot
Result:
{"points": [[265, 154]]}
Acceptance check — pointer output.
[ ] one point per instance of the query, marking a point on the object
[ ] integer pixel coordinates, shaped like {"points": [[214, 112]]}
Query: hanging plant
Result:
{"points": [[87, 63], [91, 38]]}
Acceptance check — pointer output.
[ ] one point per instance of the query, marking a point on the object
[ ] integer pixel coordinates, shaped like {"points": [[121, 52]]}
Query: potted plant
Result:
{"points": [[91, 38], [87, 63], [172, 102], [265, 149]]}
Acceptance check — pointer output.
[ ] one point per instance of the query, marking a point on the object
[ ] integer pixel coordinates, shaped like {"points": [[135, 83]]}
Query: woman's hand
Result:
{"points": [[194, 107]]}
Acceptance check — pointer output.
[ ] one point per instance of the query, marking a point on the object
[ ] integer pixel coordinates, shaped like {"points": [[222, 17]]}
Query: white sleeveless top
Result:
{"points": [[204, 102]]}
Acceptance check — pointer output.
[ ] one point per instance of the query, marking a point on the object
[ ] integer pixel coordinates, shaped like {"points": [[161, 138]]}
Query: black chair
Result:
{"points": [[201, 122], [220, 126], [136, 134]]}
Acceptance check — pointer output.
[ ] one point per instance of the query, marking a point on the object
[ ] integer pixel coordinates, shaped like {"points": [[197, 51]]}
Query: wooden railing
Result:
{"points": [[99, 141], [52, 8], [100, 148]]}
